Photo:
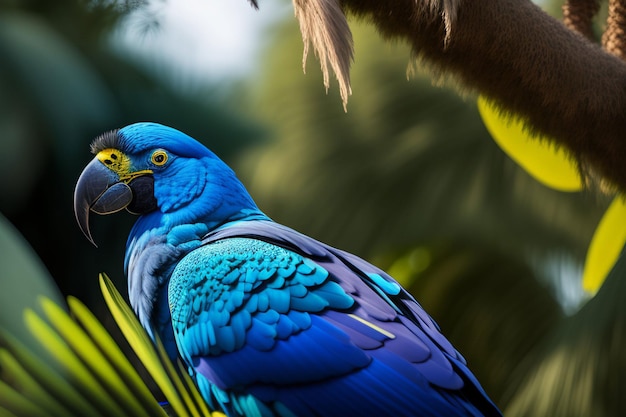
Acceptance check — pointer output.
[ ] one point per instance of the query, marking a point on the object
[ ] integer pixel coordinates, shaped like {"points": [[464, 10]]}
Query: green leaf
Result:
{"points": [[19, 404], [53, 378], [79, 375], [103, 340], [154, 359], [6, 413], [93, 359], [29, 387], [193, 390], [85, 371], [89, 374]]}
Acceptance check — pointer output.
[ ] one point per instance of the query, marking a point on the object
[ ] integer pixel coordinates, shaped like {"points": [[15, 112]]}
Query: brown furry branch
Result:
{"points": [[510, 51]]}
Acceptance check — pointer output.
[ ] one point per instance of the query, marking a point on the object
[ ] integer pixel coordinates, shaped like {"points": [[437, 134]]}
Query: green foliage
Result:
{"points": [[83, 372], [180, 391]]}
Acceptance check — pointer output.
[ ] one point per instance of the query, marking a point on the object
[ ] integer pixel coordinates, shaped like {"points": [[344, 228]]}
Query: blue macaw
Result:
{"points": [[269, 322]]}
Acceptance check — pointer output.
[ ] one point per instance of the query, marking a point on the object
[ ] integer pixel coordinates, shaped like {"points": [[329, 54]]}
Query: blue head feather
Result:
{"points": [[143, 136], [193, 186]]}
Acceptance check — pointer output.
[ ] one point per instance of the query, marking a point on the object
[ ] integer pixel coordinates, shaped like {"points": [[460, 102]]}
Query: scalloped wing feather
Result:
{"points": [[284, 321]]}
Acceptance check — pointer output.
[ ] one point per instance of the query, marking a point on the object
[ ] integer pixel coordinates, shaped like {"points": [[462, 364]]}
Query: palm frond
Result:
{"points": [[177, 391], [85, 372]]}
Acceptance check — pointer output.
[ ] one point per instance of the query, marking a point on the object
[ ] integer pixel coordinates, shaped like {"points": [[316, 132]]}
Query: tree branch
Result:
{"points": [[528, 63]]}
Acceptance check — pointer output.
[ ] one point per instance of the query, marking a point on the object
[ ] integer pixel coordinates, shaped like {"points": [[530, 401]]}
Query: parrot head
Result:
{"points": [[150, 168]]}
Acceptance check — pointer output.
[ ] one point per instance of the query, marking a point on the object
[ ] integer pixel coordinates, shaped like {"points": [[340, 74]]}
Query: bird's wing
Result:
{"points": [[271, 320]]}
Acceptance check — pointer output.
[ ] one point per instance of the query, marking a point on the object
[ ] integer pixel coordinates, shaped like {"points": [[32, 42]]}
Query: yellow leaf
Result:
{"points": [[538, 156], [606, 245]]}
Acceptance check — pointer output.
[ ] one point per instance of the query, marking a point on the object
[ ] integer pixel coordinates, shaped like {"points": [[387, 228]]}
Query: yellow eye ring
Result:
{"points": [[159, 158]]}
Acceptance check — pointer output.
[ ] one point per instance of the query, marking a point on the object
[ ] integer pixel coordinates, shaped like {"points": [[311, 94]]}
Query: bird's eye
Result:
{"points": [[159, 158]]}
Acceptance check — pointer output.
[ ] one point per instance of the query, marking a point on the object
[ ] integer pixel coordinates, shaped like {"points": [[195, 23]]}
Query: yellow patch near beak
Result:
{"points": [[119, 163]]}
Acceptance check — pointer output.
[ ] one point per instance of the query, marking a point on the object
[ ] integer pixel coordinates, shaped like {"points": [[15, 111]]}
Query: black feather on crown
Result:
{"points": [[107, 140]]}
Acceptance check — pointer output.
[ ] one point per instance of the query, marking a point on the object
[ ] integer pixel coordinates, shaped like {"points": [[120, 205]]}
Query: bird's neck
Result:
{"points": [[180, 233]]}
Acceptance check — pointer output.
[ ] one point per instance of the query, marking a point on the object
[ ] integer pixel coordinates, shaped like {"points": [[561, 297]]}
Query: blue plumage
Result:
{"points": [[270, 322]]}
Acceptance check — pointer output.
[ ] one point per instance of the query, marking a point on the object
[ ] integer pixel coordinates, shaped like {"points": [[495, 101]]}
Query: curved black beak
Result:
{"points": [[99, 190]]}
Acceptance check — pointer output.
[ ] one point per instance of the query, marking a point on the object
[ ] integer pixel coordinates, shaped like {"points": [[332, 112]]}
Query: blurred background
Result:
{"points": [[408, 178]]}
